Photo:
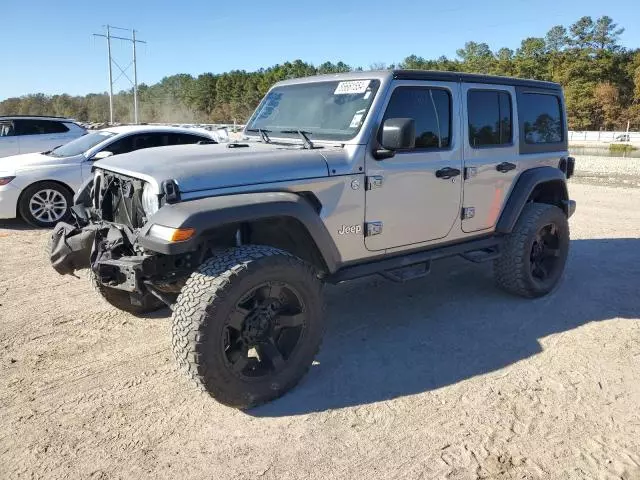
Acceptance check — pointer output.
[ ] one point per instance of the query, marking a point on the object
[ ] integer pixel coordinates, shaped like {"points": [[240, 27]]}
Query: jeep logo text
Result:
{"points": [[347, 229]]}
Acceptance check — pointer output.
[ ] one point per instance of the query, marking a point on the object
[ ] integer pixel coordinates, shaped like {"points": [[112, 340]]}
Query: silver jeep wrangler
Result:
{"points": [[338, 177]]}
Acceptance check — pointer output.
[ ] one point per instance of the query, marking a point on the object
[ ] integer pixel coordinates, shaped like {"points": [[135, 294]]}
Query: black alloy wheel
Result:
{"points": [[264, 330], [248, 324], [533, 256], [545, 253]]}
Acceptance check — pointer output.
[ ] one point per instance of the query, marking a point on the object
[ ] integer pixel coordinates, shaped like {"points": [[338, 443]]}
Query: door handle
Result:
{"points": [[447, 172], [505, 167]]}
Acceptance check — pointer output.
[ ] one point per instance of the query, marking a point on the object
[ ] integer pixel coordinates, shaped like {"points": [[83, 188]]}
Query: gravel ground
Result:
{"points": [[443, 377], [601, 170]]}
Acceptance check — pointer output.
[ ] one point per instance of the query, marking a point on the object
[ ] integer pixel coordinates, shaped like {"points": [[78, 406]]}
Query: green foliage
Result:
{"points": [[532, 60], [621, 148], [476, 57], [601, 81], [556, 39]]}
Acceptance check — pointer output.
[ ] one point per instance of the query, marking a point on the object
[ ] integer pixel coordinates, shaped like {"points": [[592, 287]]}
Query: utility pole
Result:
{"points": [[110, 77], [135, 80], [123, 71]]}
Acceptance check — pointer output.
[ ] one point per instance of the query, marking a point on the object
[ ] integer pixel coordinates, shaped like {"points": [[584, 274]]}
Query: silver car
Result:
{"points": [[28, 133]]}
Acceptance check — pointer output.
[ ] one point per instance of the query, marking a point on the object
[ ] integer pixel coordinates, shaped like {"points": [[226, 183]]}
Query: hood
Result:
{"points": [[29, 161], [205, 167]]}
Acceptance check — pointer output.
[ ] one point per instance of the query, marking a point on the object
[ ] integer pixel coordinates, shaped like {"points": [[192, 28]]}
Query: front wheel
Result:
{"points": [[45, 204], [248, 324], [534, 254]]}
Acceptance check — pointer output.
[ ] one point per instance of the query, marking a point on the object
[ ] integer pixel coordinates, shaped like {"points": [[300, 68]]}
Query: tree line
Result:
{"points": [[601, 81]]}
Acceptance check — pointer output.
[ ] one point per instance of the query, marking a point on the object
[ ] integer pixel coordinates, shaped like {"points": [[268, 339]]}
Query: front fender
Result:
{"points": [[205, 215]]}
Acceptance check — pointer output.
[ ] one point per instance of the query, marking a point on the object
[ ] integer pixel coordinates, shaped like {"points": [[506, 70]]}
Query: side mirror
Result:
{"points": [[397, 134], [102, 154]]}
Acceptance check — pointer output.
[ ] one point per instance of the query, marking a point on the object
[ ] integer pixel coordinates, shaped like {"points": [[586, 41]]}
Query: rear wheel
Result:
{"points": [[44, 204], [248, 324], [535, 253]]}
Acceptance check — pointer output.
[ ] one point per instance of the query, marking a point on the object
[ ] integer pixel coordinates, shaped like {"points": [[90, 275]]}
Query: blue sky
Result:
{"points": [[48, 46]]}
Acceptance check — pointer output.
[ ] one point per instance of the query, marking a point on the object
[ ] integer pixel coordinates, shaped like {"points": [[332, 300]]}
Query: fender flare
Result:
{"points": [[521, 192], [205, 215]]}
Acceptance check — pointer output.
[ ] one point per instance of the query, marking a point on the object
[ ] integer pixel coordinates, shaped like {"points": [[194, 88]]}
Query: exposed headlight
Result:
{"points": [[149, 200]]}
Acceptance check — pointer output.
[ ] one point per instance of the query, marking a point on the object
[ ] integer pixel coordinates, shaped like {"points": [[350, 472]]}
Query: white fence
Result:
{"points": [[586, 136]]}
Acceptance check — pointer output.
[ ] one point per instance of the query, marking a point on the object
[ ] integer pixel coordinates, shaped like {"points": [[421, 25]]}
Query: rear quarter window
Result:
{"points": [[542, 122], [55, 127]]}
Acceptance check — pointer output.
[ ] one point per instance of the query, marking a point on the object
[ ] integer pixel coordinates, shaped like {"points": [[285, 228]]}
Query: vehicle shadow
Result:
{"points": [[17, 224], [386, 340]]}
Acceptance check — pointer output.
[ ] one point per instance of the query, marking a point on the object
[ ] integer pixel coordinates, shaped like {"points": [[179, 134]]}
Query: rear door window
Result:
{"points": [[490, 119], [27, 127]]}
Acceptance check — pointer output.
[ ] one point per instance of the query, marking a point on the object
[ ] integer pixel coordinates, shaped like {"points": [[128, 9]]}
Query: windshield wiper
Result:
{"points": [[303, 134], [262, 132], [50, 152]]}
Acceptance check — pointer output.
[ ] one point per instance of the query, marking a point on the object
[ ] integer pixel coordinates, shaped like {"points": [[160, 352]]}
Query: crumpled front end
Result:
{"points": [[98, 246], [109, 214], [108, 211]]}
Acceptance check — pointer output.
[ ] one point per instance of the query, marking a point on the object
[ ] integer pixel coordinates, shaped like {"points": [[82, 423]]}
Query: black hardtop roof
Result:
{"points": [[35, 116], [443, 76]]}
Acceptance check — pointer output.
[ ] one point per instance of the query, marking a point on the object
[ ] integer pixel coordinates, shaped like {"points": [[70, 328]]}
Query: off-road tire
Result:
{"points": [[512, 270], [122, 300], [30, 191], [202, 309]]}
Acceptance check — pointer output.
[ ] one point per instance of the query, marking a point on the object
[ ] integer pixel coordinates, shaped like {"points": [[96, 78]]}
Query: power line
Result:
{"points": [[123, 71]]}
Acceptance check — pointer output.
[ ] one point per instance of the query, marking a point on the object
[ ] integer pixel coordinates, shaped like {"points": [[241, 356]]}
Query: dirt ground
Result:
{"points": [[443, 377]]}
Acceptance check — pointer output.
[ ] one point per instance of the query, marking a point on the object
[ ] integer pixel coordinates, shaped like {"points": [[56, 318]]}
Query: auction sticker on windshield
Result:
{"points": [[357, 119], [352, 87]]}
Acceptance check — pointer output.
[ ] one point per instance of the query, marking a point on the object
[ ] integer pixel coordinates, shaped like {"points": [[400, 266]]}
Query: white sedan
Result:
{"points": [[39, 187]]}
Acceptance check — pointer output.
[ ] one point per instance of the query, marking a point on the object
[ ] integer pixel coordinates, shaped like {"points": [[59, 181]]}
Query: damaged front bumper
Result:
{"points": [[99, 247], [110, 251], [70, 247]]}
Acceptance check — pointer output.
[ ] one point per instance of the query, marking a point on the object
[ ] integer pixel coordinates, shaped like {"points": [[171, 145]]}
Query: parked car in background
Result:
{"points": [[39, 187], [27, 134]]}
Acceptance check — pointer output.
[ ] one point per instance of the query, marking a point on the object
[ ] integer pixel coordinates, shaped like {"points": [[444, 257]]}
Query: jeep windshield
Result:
{"points": [[332, 110]]}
